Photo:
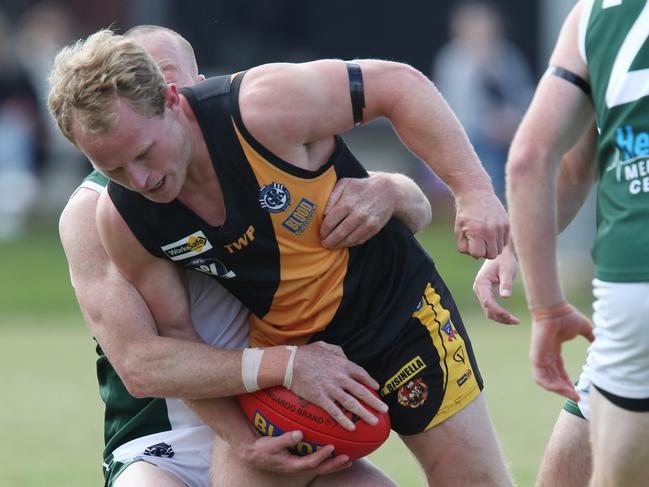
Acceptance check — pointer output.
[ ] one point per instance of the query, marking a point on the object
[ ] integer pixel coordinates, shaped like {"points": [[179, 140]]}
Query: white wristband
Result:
{"points": [[250, 361], [288, 375]]}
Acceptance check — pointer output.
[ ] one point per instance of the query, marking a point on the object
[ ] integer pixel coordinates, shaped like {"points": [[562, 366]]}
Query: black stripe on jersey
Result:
{"points": [[240, 190], [135, 209], [210, 102]]}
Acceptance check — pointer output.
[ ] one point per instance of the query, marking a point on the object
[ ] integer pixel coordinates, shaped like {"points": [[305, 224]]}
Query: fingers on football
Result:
{"points": [[286, 440], [361, 393], [319, 458], [336, 413], [351, 404]]}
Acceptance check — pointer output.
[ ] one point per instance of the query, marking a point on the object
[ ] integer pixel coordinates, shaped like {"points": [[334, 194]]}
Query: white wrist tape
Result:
{"points": [[250, 361], [288, 375]]}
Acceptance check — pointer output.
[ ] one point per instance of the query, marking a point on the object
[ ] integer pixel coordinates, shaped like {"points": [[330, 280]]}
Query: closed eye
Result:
{"points": [[144, 153]]}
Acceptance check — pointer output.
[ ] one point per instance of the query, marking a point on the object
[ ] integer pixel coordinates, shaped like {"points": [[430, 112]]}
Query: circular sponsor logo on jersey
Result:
{"points": [[274, 197], [413, 394]]}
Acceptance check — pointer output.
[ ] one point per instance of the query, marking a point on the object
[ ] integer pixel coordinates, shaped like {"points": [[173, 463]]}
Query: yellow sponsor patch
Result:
{"points": [[196, 243], [404, 374], [189, 246]]}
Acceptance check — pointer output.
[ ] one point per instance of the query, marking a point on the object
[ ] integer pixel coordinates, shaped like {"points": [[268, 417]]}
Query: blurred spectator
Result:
{"points": [[43, 29], [486, 81], [19, 138]]}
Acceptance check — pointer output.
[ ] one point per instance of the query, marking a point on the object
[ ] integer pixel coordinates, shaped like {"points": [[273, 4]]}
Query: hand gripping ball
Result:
{"points": [[276, 410]]}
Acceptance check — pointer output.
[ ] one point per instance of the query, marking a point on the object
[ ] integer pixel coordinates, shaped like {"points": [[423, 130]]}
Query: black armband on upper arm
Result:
{"points": [[571, 77], [357, 91]]}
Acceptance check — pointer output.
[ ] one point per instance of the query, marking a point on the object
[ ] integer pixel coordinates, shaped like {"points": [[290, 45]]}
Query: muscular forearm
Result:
{"points": [[225, 418], [428, 127], [574, 180], [532, 203], [152, 365], [121, 322], [556, 121], [577, 174], [411, 206]]}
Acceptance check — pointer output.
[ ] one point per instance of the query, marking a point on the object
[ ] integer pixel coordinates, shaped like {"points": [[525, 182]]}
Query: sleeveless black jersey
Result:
{"points": [[268, 252]]}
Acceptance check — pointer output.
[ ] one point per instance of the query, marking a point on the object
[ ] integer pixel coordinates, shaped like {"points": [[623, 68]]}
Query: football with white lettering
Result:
{"points": [[276, 410]]}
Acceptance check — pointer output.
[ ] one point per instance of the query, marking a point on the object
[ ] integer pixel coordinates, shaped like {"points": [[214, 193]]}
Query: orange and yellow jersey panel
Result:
{"points": [[268, 251]]}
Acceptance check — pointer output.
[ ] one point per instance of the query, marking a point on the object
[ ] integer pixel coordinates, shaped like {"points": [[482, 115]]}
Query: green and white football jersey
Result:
{"points": [[613, 42]]}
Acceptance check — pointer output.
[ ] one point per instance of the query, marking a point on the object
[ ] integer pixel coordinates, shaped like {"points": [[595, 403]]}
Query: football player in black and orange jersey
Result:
{"points": [[136, 426], [231, 178]]}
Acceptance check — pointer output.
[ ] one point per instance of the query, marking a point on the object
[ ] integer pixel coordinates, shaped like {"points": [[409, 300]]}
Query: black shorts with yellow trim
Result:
{"points": [[429, 373]]}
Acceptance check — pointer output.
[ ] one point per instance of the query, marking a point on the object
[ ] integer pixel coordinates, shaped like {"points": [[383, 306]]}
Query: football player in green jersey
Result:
{"points": [[567, 459], [598, 74]]}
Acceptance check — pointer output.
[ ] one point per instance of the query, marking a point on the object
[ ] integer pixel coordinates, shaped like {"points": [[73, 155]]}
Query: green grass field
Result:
{"points": [[51, 415]]}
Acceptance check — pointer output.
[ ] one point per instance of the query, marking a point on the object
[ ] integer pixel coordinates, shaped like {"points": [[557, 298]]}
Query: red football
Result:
{"points": [[276, 410]]}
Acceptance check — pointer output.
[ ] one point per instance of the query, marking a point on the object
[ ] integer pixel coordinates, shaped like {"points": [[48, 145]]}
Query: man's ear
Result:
{"points": [[172, 96]]}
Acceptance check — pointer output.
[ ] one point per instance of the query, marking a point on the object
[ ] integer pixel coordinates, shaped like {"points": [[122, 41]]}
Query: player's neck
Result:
{"points": [[201, 191]]}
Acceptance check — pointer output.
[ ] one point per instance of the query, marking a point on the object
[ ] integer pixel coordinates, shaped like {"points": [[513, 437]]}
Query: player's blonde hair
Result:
{"points": [[89, 76]]}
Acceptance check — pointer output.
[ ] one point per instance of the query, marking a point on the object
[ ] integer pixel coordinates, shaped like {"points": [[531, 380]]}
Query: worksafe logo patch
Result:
{"points": [[404, 374], [189, 246]]}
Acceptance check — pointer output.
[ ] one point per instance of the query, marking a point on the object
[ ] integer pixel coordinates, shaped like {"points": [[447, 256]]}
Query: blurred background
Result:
{"points": [[485, 58]]}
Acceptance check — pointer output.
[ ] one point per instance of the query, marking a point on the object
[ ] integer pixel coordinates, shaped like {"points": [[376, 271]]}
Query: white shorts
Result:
{"points": [[619, 357], [184, 452]]}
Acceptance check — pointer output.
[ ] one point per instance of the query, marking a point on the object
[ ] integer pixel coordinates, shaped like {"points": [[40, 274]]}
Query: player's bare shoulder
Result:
{"points": [[285, 106], [79, 211], [78, 232]]}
